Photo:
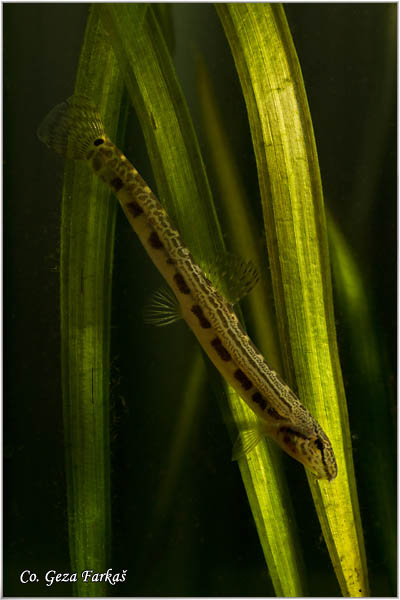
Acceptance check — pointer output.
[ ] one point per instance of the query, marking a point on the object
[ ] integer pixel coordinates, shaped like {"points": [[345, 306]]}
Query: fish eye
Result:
{"points": [[98, 142]]}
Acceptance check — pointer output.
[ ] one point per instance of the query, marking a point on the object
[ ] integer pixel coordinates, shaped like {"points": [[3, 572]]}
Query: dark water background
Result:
{"points": [[209, 546]]}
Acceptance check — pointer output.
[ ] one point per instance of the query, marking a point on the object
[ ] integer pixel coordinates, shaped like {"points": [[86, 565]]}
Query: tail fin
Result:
{"points": [[71, 127]]}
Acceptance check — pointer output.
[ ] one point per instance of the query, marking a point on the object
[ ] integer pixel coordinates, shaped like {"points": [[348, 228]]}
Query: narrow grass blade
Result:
{"points": [[292, 200], [87, 236], [171, 143], [183, 187], [377, 436], [183, 431], [239, 222], [265, 472]]}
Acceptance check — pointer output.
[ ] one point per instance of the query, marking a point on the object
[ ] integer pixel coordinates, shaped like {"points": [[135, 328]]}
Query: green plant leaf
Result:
{"points": [[264, 479], [292, 200], [369, 363], [87, 238], [243, 233], [183, 188]]}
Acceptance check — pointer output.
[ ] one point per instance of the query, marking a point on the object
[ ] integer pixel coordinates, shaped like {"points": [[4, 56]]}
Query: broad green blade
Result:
{"points": [[183, 188], [87, 238], [292, 200]]}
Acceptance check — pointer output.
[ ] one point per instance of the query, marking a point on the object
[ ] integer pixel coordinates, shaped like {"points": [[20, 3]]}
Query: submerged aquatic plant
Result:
{"points": [[124, 42]]}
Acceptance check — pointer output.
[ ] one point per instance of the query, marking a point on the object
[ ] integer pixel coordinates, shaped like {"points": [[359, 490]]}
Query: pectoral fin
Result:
{"points": [[162, 309]]}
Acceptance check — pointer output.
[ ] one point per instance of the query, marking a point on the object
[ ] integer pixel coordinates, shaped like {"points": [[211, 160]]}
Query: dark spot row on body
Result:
{"points": [[198, 311], [274, 414], [263, 369], [220, 348], [243, 379], [135, 209], [257, 363], [287, 437], [155, 241], [181, 283], [260, 400], [117, 184]]}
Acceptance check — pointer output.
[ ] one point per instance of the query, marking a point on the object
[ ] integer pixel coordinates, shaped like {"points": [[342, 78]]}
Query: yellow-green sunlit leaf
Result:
{"points": [[291, 194]]}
